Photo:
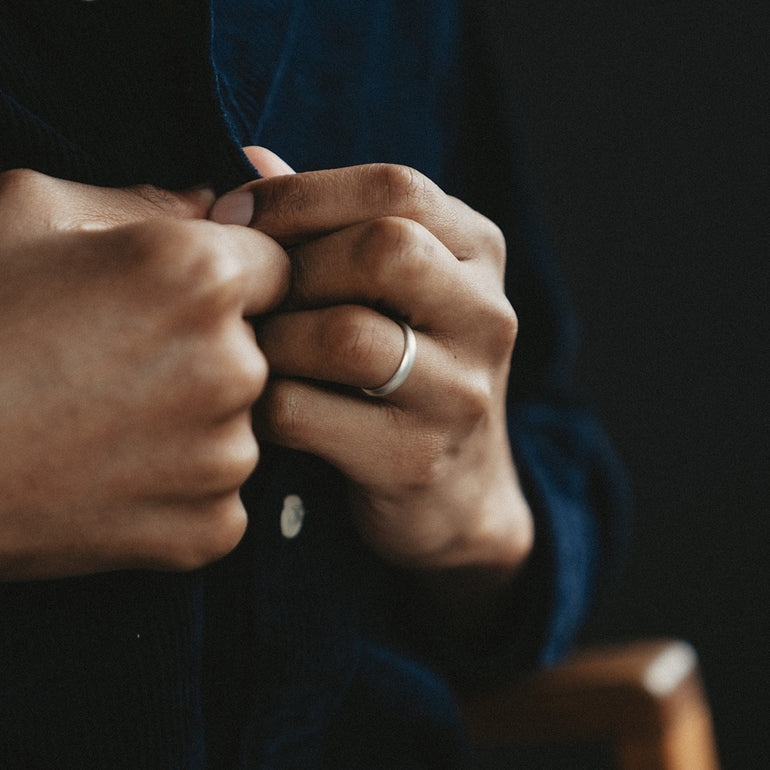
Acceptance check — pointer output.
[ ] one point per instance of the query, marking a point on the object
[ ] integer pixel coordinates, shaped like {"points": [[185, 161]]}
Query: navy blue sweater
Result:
{"points": [[308, 651]]}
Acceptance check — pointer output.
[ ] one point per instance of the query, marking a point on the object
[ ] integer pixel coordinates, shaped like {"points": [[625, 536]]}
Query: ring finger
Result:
{"points": [[348, 345]]}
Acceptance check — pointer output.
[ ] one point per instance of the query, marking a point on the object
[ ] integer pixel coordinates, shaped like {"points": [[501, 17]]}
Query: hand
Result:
{"points": [[432, 483], [128, 376]]}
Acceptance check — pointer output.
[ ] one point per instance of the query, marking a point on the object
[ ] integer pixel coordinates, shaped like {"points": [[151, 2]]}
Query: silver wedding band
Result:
{"points": [[404, 368]]}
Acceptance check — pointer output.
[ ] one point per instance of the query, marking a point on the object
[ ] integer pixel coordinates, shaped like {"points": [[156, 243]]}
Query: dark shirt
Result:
{"points": [[305, 651]]}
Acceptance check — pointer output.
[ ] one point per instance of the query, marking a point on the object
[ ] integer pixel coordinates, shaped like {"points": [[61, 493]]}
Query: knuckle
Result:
{"points": [[214, 280], [223, 529], [222, 461], [280, 202], [393, 234], [238, 456], [203, 378], [18, 181], [26, 193], [200, 262], [155, 201], [282, 412], [183, 258], [154, 241], [501, 327], [475, 399], [157, 197], [484, 239], [219, 528], [397, 250], [351, 339], [250, 379], [404, 189], [506, 324], [498, 325], [495, 239], [230, 383]]}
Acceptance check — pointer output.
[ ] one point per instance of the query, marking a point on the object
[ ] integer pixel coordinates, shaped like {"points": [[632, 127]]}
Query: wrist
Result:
{"points": [[499, 535], [467, 591]]}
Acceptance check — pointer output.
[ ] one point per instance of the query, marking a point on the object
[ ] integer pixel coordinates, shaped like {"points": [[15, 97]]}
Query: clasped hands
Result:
{"points": [[135, 383]]}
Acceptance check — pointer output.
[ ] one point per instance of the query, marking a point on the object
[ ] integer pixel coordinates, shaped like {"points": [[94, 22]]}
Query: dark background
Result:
{"points": [[648, 125]]}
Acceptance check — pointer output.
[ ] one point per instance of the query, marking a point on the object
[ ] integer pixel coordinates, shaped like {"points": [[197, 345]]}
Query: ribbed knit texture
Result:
{"points": [[102, 671]]}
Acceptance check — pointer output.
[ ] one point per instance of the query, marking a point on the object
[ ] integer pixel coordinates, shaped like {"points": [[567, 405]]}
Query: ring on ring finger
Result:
{"points": [[404, 367]]}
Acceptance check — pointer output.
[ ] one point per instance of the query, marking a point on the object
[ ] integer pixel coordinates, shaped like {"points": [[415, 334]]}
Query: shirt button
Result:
{"points": [[292, 516]]}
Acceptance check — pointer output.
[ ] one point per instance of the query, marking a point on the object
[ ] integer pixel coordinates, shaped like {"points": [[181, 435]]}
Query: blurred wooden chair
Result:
{"points": [[644, 699]]}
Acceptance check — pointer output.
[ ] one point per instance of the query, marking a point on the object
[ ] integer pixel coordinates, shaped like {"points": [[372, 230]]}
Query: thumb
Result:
{"points": [[237, 207]]}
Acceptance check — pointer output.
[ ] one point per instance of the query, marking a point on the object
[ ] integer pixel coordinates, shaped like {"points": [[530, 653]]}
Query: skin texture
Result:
{"points": [[126, 421], [128, 376], [432, 484]]}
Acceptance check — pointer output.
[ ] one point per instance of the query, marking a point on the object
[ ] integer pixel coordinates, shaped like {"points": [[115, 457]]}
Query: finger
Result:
{"points": [[260, 269], [175, 535], [297, 207], [223, 266], [348, 345], [223, 373], [219, 456], [394, 265], [339, 428], [237, 207]]}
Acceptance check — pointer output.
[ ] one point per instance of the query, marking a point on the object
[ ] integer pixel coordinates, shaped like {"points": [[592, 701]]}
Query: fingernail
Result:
{"points": [[235, 208]]}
